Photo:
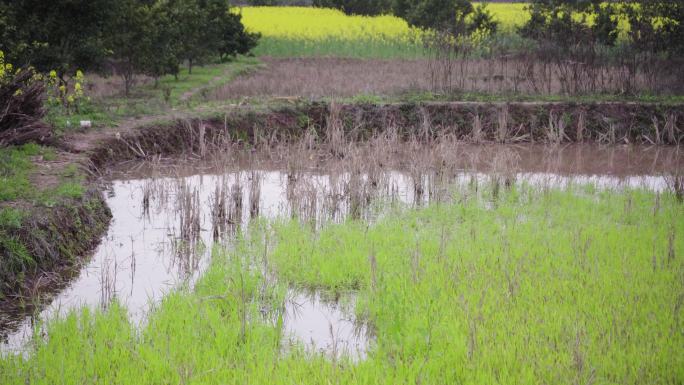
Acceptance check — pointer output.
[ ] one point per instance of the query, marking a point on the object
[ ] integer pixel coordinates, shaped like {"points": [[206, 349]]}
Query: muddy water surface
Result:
{"points": [[168, 214]]}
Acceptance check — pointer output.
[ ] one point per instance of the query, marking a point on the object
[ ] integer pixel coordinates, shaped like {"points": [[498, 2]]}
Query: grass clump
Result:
{"points": [[551, 286], [15, 168], [15, 252]]}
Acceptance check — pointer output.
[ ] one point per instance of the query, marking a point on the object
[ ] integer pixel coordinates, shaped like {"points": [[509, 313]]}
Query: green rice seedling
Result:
{"points": [[545, 286]]}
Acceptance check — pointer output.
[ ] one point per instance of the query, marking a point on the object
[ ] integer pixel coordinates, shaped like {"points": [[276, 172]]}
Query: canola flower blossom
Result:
{"points": [[308, 31], [6, 69], [322, 23]]}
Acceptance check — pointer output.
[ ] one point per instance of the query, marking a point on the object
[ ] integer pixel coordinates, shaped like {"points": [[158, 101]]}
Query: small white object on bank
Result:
{"points": [[86, 123]]}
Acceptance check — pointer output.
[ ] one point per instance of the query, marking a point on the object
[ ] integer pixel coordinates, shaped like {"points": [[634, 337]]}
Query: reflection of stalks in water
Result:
{"points": [[296, 161], [553, 159], [504, 168], [235, 213], [444, 158], [354, 195], [146, 201], [188, 245], [419, 170], [254, 194], [219, 210], [188, 207], [675, 183], [334, 342], [153, 190], [333, 199], [356, 189], [133, 264], [159, 190], [303, 200], [107, 282], [291, 310], [187, 256]]}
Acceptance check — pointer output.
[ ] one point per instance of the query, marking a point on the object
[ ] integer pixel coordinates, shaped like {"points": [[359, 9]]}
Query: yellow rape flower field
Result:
{"points": [[305, 31]]}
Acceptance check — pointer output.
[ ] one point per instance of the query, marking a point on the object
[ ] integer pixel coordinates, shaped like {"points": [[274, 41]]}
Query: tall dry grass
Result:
{"points": [[337, 77]]}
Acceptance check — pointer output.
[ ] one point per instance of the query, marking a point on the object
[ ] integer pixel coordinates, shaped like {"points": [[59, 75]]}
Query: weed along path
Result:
{"points": [[374, 244]]}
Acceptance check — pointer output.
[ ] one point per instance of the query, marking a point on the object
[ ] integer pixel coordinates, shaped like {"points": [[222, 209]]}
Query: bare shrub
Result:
{"points": [[447, 72], [22, 110]]}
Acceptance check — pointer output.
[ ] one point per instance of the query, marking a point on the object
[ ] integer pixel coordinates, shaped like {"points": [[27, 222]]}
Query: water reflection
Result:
{"points": [[324, 326], [166, 216]]}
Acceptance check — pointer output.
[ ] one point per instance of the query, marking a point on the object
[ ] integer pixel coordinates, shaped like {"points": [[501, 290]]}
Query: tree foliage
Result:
{"points": [[61, 35], [131, 36], [357, 7], [454, 17], [564, 23], [655, 26]]}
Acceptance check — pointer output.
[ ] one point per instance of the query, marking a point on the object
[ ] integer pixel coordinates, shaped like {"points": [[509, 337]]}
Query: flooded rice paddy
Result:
{"points": [[168, 214]]}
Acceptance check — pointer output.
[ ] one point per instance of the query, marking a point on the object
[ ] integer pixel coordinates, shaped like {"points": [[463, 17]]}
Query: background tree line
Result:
{"points": [[655, 26], [129, 37]]}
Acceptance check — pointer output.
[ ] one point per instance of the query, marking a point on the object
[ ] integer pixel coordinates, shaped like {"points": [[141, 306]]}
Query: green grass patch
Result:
{"points": [[533, 286], [13, 252], [10, 218], [168, 93], [16, 167], [340, 47]]}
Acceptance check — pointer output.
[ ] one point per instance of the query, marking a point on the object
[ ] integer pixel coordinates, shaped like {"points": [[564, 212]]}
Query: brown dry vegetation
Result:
{"points": [[335, 77], [325, 77], [551, 123], [100, 87]]}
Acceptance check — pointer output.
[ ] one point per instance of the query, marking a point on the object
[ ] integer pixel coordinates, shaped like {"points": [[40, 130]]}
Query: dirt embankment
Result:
{"points": [[556, 123], [58, 237], [53, 242]]}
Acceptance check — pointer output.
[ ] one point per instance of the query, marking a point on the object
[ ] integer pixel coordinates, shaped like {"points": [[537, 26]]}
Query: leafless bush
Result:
{"points": [[451, 71], [22, 110]]}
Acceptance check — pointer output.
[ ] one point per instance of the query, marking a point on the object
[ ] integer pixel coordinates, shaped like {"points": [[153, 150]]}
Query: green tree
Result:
{"points": [[224, 34], [656, 26], [234, 39], [165, 43], [563, 23], [189, 27], [441, 15], [131, 31], [357, 7], [207, 29], [6, 28], [453, 17], [60, 35]]}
